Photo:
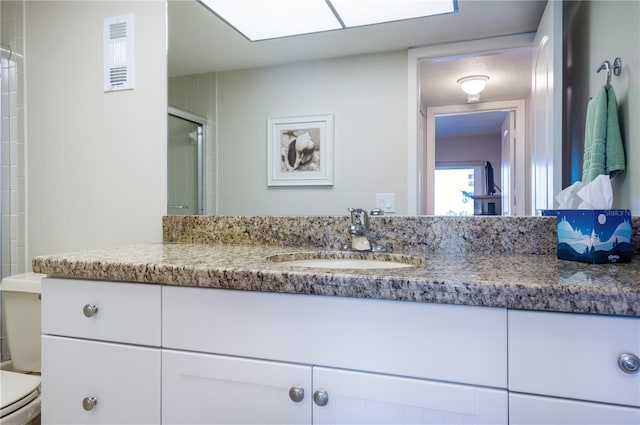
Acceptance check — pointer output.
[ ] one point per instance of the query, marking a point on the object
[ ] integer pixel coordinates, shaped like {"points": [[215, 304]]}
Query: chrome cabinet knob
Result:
{"points": [[90, 310], [629, 363], [88, 403], [321, 397], [296, 393]]}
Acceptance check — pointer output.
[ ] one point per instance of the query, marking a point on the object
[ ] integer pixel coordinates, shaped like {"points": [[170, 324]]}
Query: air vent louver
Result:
{"points": [[118, 53]]}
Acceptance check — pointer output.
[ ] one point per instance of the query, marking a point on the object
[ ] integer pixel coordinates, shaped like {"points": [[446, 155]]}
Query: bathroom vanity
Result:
{"points": [[221, 333]]}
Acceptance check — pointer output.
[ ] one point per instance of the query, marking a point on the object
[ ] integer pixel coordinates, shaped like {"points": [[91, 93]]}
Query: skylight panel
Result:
{"points": [[265, 19], [366, 12]]}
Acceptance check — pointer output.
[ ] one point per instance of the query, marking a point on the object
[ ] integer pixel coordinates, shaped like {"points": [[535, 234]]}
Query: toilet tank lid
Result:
{"points": [[25, 282]]}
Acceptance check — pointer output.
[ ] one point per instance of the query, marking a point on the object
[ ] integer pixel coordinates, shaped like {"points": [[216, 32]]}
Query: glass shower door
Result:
{"points": [[185, 167]]}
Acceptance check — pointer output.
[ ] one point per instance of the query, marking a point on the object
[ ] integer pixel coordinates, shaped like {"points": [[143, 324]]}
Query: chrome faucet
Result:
{"points": [[361, 239]]}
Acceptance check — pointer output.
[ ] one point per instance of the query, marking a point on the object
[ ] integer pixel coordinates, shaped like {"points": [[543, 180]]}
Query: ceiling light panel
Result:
{"points": [[265, 19], [366, 12]]}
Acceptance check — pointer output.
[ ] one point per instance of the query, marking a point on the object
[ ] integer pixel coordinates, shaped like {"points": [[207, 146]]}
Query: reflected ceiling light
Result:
{"points": [[473, 84], [266, 19]]}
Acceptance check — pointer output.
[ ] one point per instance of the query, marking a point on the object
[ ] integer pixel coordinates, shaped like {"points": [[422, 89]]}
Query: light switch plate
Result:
{"points": [[386, 202]]}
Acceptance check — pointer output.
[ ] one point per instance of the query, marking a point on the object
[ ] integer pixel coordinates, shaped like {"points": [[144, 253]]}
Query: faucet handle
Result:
{"points": [[359, 216]]}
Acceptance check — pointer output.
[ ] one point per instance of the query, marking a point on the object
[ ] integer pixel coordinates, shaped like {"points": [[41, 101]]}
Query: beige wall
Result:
{"points": [[597, 31], [471, 149], [614, 32], [367, 97], [96, 161]]}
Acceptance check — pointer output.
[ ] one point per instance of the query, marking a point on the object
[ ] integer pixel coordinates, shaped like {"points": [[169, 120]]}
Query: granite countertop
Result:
{"points": [[519, 281]]}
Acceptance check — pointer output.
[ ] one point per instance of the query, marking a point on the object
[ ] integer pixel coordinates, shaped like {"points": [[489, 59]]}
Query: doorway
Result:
{"points": [[185, 192], [431, 87], [508, 156]]}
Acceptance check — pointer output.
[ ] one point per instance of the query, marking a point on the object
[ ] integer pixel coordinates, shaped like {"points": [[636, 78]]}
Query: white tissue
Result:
{"points": [[568, 199], [597, 195]]}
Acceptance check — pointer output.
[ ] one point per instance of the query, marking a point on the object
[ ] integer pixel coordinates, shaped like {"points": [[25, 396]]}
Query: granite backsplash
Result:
{"points": [[417, 234]]}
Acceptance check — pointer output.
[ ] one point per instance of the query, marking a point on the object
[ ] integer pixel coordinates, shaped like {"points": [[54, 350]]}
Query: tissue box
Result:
{"points": [[594, 236]]}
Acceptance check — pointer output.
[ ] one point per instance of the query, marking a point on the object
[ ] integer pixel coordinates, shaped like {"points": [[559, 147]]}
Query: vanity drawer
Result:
{"points": [[126, 312], [537, 410], [434, 341], [573, 356]]}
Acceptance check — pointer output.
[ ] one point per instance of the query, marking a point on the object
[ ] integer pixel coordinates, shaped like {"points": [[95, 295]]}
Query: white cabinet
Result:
{"points": [[132, 353], [107, 311], [203, 388], [450, 343], [563, 368], [537, 410], [101, 354], [366, 398], [122, 380], [375, 361]]}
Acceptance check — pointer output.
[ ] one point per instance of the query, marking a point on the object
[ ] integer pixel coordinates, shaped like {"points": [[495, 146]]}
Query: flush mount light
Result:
{"points": [[473, 84], [266, 19]]}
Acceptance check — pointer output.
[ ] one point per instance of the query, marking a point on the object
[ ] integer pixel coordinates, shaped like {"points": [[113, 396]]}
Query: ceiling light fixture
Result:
{"points": [[472, 86], [266, 19]]}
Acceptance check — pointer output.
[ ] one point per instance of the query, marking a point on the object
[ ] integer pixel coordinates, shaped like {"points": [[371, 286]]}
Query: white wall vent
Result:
{"points": [[118, 53]]}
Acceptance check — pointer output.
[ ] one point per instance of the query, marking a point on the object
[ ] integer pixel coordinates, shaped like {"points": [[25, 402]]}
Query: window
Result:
{"points": [[454, 187]]}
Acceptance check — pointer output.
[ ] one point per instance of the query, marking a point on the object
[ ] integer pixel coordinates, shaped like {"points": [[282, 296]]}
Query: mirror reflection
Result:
{"points": [[483, 129], [185, 146], [360, 77], [466, 148]]}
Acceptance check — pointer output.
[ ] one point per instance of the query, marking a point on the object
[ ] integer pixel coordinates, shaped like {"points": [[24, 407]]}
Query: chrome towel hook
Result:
{"points": [[617, 67], [606, 65]]}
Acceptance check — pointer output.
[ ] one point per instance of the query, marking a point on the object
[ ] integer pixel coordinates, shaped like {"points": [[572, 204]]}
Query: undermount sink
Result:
{"points": [[346, 260]]}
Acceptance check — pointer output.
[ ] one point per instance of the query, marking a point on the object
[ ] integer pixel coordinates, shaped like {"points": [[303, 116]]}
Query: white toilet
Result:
{"points": [[20, 396]]}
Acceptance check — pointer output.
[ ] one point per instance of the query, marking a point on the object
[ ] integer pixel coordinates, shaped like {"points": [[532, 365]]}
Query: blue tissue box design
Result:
{"points": [[594, 236]]}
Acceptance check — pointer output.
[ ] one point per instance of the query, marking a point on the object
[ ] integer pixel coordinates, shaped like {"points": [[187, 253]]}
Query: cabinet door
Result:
{"points": [[527, 409], [573, 356], [211, 389], [124, 380], [363, 398]]}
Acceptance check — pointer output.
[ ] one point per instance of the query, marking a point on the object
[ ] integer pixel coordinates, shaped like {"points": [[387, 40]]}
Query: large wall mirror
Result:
{"points": [[379, 83]]}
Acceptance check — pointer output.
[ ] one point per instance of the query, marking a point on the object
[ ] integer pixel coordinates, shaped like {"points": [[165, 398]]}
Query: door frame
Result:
{"points": [[519, 160], [416, 164]]}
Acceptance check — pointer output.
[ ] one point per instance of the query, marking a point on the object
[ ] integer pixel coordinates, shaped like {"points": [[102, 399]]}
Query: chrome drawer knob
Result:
{"points": [[321, 397], [88, 403], [629, 363], [296, 393], [90, 310]]}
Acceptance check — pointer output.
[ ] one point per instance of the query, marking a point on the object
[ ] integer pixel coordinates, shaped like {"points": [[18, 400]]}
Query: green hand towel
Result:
{"points": [[603, 151], [615, 150]]}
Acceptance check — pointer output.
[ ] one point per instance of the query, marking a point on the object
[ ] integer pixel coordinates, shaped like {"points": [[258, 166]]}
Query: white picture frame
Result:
{"points": [[300, 150]]}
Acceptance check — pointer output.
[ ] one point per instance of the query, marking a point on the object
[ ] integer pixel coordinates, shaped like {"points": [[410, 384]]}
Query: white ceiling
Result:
{"points": [[480, 123], [509, 74], [200, 42]]}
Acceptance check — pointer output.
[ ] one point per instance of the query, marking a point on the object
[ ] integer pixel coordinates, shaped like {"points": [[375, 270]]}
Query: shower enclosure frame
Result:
{"points": [[201, 122]]}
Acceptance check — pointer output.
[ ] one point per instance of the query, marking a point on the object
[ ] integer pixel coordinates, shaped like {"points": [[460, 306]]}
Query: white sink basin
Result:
{"points": [[345, 263], [346, 260]]}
